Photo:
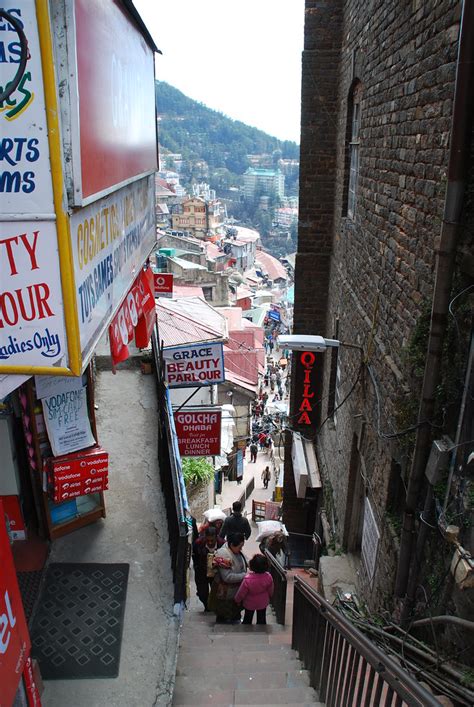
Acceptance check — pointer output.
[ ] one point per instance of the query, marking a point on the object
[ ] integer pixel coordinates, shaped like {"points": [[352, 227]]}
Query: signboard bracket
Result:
{"points": [[187, 399]]}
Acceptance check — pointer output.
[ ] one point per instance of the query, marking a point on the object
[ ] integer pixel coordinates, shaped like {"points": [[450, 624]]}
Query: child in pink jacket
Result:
{"points": [[256, 590]]}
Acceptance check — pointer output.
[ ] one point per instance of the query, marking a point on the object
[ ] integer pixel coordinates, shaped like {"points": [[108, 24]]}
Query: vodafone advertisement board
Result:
{"points": [[114, 133], [198, 432], [163, 284], [14, 638]]}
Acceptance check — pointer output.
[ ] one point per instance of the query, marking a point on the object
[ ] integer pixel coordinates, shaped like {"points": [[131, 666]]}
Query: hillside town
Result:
{"points": [[236, 402]]}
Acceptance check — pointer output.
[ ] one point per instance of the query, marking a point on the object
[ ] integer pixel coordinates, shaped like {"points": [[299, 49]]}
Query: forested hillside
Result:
{"points": [[197, 132]]}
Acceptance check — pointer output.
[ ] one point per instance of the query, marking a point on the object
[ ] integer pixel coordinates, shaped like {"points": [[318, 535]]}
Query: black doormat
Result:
{"points": [[77, 629], [29, 583]]}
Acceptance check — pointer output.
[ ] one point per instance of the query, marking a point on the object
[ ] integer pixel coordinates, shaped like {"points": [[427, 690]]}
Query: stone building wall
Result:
{"points": [[366, 280]]}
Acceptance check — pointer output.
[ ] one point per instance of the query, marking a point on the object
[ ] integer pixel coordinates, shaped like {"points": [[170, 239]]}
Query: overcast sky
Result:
{"points": [[241, 57]]}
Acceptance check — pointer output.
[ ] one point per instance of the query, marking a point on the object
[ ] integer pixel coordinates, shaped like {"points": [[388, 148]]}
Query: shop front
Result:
{"points": [[77, 224]]}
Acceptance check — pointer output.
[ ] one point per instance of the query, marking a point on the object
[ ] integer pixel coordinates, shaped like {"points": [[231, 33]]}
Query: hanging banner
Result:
{"points": [[198, 432], [194, 365], [163, 284], [67, 421], [14, 638], [136, 315]]}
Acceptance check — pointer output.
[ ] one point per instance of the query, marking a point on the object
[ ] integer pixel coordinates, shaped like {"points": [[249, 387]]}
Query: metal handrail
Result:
{"points": [[345, 667], [278, 600], [175, 512]]}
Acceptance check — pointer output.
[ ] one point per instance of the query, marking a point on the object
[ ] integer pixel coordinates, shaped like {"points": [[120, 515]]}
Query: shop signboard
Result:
{"points": [[67, 421], [198, 432], [305, 401], [14, 638], [25, 176], [194, 365], [113, 86], [163, 284], [111, 241]]}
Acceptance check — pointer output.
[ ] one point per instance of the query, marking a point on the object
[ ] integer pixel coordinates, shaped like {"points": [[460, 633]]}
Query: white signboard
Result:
{"points": [[370, 540], [67, 421], [111, 240], [31, 305], [194, 365], [54, 385], [25, 173]]}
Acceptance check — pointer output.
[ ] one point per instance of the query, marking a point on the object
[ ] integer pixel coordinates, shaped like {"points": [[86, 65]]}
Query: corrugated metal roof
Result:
{"points": [[272, 266], [189, 320]]}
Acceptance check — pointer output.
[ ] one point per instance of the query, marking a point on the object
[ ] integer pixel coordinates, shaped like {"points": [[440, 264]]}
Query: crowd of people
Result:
{"points": [[226, 582]]}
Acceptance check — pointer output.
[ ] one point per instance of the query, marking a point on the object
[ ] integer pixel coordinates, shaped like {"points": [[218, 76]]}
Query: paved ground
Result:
{"points": [[134, 531]]}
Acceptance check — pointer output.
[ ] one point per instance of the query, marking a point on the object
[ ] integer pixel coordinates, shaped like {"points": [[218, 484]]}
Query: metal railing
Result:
{"points": [[344, 666], [175, 514], [278, 600]]}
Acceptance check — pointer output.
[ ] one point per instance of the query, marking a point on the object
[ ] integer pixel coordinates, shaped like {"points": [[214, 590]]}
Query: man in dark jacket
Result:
{"points": [[236, 523]]}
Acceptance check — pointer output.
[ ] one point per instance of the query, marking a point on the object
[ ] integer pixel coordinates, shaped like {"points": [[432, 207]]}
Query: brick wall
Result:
{"points": [[373, 273]]}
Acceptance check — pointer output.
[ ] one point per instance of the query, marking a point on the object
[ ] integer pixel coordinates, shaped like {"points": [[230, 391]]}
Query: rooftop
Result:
{"points": [[189, 320]]}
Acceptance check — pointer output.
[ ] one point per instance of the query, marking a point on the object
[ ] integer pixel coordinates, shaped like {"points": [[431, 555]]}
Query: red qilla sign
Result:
{"points": [[14, 638]]}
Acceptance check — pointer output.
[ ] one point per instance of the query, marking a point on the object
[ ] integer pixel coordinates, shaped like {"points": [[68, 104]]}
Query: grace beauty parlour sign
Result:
{"points": [[194, 365]]}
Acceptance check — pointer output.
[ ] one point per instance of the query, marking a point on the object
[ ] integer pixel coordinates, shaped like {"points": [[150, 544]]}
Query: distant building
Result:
{"points": [[286, 217], [198, 217], [258, 182]]}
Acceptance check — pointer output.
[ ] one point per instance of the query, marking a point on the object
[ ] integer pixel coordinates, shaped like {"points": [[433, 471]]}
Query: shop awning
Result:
{"points": [[305, 465]]}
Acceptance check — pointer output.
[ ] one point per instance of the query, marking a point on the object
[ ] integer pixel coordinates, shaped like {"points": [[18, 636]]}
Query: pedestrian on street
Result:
{"points": [[262, 440], [204, 549], [272, 381], [253, 452], [231, 567], [266, 476], [236, 523], [256, 590]]}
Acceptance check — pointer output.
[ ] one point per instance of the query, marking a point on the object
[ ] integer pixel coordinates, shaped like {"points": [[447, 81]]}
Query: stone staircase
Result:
{"points": [[223, 665]]}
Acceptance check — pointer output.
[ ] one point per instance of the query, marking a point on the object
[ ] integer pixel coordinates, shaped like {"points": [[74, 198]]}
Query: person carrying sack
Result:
{"points": [[231, 567]]}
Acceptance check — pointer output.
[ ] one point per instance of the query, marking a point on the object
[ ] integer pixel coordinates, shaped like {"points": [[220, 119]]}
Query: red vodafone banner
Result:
{"points": [[136, 314], [163, 284], [14, 638], [199, 432]]}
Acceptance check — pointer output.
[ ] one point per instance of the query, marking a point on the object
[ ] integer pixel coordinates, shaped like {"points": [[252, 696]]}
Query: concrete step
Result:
{"points": [[244, 681], [273, 696], [235, 664], [239, 644]]}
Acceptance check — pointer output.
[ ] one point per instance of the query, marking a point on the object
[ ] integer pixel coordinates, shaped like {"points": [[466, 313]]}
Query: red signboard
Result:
{"points": [[116, 96], [136, 311], [14, 638], [199, 432], [163, 284], [31, 688], [79, 474], [306, 402]]}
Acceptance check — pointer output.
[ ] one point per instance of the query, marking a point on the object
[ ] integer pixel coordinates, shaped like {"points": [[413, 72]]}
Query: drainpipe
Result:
{"points": [[445, 259]]}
